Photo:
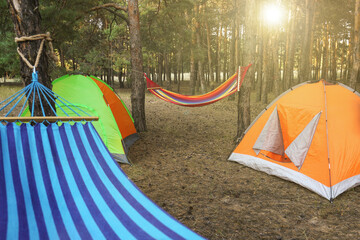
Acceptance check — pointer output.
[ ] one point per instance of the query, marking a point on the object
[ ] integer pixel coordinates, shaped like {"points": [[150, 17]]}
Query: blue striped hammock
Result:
{"points": [[59, 181]]}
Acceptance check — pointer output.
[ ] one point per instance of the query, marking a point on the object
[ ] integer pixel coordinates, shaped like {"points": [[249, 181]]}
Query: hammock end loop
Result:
{"points": [[35, 76]]}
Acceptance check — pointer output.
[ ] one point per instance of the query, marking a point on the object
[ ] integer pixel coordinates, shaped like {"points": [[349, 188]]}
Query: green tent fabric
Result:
{"points": [[84, 93]]}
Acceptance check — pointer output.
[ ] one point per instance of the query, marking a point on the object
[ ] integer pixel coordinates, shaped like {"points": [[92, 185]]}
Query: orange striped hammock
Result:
{"points": [[227, 88]]}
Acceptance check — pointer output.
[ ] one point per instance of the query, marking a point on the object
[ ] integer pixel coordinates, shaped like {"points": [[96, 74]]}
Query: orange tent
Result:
{"points": [[309, 135], [121, 114]]}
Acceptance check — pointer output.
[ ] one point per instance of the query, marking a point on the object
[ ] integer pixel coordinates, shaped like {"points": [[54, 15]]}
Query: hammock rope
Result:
{"points": [[36, 37], [227, 88], [36, 90]]}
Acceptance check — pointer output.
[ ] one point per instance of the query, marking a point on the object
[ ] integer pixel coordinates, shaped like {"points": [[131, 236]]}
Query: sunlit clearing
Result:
{"points": [[273, 14]]}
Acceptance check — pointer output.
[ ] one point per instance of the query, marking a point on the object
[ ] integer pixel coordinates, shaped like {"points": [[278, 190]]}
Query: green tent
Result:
{"points": [[93, 96]]}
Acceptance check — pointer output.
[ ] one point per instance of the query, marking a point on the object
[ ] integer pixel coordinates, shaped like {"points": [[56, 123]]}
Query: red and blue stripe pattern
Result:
{"points": [[227, 88], [60, 182]]}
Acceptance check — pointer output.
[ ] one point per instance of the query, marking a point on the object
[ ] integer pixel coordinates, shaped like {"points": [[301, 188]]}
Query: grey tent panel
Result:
{"points": [[299, 148], [270, 138]]}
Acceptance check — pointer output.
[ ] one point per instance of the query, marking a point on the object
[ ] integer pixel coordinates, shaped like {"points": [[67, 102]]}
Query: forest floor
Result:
{"points": [[181, 164]]}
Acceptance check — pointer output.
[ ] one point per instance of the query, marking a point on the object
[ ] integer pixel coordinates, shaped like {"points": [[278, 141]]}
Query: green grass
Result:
{"points": [[5, 92]]}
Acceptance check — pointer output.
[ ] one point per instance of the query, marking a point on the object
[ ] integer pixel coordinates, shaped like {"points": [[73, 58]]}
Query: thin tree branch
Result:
{"points": [[107, 5], [118, 14]]}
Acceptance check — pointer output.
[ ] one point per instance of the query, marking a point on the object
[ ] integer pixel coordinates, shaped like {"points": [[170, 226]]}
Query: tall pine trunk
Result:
{"points": [[160, 68], [138, 83], [232, 67], [167, 69], [290, 48], [218, 50], [317, 60], [275, 57], [334, 48], [259, 63], [355, 74], [209, 51], [178, 64], [325, 58], [27, 20], [225, 54], [192, 65], [305, 63], [234, 47], [201, 78], [349, 59], [244, 118]]}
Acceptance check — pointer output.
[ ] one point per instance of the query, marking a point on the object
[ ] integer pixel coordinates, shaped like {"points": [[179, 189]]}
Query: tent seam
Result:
{"points": [[327, 141]]}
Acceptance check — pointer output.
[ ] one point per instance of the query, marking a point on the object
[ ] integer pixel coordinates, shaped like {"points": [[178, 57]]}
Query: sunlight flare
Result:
{"points": [[273, 14]]}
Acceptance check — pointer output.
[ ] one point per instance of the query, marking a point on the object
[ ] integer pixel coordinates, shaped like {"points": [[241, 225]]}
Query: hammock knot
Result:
{"points": [[35, 76], [43, 37]]}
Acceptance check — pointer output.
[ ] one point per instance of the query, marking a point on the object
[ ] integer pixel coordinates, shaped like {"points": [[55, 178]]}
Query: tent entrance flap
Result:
{"points": [[270, 138], [299, 148]]}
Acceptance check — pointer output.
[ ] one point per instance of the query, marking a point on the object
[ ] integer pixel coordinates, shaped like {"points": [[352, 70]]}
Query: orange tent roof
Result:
{"points": [[121, 114], [309, 135]]}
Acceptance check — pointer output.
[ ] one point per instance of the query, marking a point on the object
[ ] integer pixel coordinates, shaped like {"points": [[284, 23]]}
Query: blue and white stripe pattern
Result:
{"points": [[60, 182]]}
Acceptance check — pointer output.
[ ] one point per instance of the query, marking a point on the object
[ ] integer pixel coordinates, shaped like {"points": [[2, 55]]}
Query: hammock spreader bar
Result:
{"points": [[227, 88]]}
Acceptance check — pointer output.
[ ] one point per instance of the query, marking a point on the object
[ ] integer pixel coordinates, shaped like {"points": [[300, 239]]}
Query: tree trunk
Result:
{"points": [[234, 47], [334, 59], [266, 68], [209, 52], [325, 60], [108, 76], [138, 83], [275, 58], [355, 74], [27, 20], [232, 67], [167, 70], [342, 61], [192, 68], [121, 83], [192, 59], [244, 117], [175, 69], [305, 64], [201, 79], [178, 64], [318, 60], [225, 55], [259, 65], [218, 50], [349, 58], [160, 68], [290, 48], [62, 57]]}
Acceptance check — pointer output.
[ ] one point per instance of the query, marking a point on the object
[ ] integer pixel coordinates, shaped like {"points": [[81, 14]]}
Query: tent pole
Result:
{"points": [[327, 140], [238, 79]]}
